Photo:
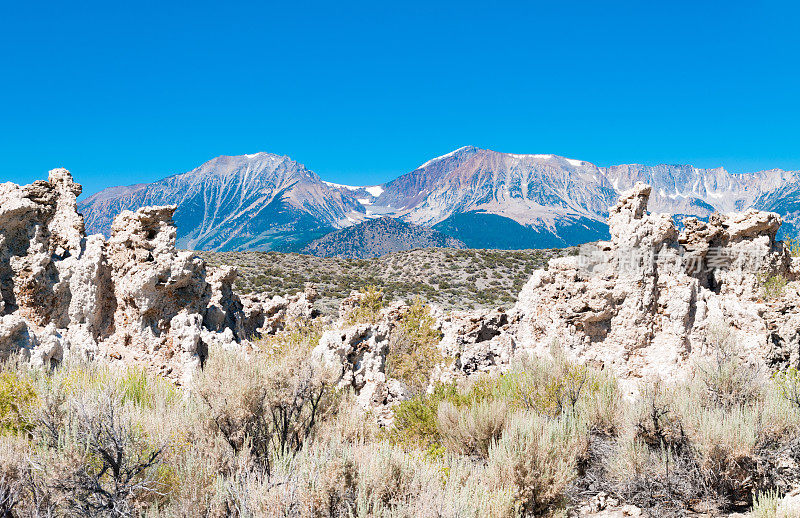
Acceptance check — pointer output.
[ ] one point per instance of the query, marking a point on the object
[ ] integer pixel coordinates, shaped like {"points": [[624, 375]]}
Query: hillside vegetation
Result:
{"points": [[453, 278], [377, 237]]}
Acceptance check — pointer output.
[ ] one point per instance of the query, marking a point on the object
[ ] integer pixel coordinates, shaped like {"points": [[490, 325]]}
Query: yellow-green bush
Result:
{"points": [[793, 244], [17, 400], [788, 385], [415, 420], [551, 388], [772, 286], [145, 390], [369, 306], [765, 504], [302, 335], [413, 351]]}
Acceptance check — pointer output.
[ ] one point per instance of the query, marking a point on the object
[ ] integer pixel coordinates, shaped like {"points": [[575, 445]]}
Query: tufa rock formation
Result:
{"points": [[357, 352], [653, 299], [133, 298], [270, 315], [477, 340], [647, 303]]}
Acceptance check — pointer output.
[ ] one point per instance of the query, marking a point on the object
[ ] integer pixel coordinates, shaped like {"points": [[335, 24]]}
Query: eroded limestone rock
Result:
{"points": [[266, 316], [133, 298], [476, 340], [644, 302], [358, 353]]}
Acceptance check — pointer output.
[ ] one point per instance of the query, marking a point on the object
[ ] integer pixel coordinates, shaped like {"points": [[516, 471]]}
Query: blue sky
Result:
{"points": [[361, 92]]}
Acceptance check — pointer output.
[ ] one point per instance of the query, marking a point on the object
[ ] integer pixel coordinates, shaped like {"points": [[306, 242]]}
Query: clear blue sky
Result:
{"points": [[361, 92]]}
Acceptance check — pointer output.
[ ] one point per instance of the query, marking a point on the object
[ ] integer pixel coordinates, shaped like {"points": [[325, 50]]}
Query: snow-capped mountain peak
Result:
{"points": [[482, 197]]}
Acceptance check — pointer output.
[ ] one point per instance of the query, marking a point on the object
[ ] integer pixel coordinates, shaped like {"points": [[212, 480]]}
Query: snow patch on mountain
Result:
{"points": [[341, 186], [438, 158]]}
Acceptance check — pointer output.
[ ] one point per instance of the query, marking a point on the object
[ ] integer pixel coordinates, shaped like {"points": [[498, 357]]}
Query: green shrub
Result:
{"points": [[793, 244], [772, 286], [302, 335], [788, 385], [369, 306], [17, 399], [415, 420], [413, 351], [562, 391], [765, 504]]}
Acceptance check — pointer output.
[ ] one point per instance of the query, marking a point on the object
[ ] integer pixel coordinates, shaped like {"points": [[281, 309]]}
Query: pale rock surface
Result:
{"points": [[646, 302], [267, 316], [626, 511], [50, 348], [14, 335], [789, 506], [603, 505], [225, 309], [133, 298], [350, 303], [153, 285], [361, 351], [476, 340], [92, 305], [358, 353]]}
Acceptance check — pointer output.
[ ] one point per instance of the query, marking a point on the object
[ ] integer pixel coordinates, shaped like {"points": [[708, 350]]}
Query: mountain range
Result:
{"points": [[478, 197]]}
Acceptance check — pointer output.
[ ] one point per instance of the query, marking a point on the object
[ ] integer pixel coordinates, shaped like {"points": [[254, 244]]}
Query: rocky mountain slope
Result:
{"points": [[376, 237], [259, 201], [483, 198], [505, 200], [492, 199]]}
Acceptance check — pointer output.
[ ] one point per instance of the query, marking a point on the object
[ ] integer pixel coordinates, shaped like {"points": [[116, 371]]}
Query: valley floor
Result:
{"points": [[452, 278]]}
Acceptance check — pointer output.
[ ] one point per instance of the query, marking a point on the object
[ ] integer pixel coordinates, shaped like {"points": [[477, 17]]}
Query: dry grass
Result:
{"points": [[269, 435]]}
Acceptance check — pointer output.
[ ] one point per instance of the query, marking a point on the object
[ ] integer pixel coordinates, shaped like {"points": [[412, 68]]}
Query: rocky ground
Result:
{"points": [[452, 278]]}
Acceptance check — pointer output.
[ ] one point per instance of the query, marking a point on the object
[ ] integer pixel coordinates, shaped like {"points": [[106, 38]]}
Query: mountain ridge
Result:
{"points": [[246, 201], [265, 201]]}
